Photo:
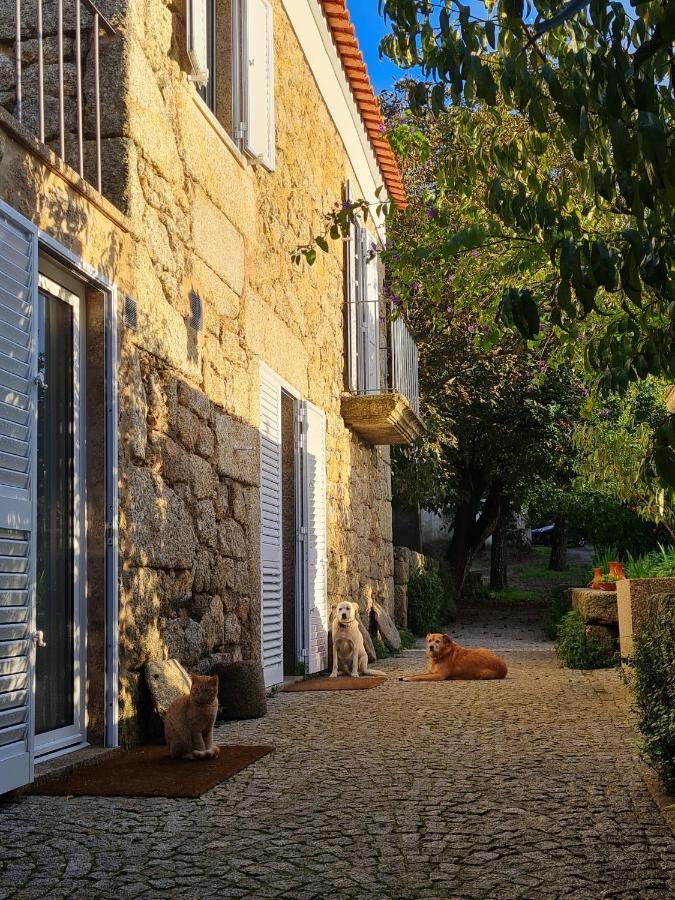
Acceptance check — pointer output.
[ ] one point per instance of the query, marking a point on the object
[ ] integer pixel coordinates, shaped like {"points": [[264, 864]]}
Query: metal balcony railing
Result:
{"points": [[56, 60], [404, 362], [382, 354]]}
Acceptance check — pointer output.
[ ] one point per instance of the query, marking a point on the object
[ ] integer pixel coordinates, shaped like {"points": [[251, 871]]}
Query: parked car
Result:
{"points": [[542, 536]]}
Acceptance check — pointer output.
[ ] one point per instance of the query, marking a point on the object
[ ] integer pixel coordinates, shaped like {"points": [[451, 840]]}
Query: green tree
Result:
{"points": [[612, 441], [592, 83]]}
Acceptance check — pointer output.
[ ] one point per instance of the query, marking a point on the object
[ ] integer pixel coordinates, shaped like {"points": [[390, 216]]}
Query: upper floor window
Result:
{"points": [[362, 312], [231, 51]]}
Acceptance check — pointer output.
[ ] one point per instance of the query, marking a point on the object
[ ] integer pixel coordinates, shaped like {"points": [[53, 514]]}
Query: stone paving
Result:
{"points": [[524, 788]]}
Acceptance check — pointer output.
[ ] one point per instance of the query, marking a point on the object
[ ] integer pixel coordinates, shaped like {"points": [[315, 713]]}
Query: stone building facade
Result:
{"points": [[189, 293]]}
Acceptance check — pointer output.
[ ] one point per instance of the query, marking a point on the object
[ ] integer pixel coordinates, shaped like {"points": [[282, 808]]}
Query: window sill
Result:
{"points": [[219, 130]]}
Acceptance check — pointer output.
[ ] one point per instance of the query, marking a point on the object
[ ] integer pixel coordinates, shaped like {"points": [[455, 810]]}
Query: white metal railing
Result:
{"points": [[404, 362], [84, 18], [381, 353]]}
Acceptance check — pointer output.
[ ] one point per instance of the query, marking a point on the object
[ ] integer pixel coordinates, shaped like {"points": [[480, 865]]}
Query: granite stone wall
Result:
{"points": [[193, 214]]}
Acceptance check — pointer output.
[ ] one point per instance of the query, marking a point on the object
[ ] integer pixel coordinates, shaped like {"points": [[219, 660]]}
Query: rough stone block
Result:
{"points": [[401, 605], [156, 527], [603, 635], [595, 607], [241, 690], [634, 596], [167, 680]]}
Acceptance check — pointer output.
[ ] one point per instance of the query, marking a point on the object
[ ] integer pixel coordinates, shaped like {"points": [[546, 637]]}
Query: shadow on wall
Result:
{"points": [[189, 531], [360, 552]]}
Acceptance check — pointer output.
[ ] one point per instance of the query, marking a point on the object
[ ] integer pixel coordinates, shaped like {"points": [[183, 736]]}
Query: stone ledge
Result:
{"points": [[595, 607], [56, 165], [382, 419]]}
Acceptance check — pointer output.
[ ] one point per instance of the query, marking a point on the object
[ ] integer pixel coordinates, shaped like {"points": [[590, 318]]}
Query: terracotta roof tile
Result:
{"points": [[344, 37]]}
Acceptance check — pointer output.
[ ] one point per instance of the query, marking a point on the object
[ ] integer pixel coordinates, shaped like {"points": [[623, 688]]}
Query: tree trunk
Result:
{"points": [[470, 530], [498, 573], [460, 553], [558, 559]]}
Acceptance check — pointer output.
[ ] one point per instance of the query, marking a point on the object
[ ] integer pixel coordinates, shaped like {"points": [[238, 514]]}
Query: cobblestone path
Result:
{"points": [[523, 788]]}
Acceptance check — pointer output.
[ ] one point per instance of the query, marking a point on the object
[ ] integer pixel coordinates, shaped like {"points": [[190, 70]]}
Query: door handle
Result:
{"points": [[40, 381], [38, 638]]}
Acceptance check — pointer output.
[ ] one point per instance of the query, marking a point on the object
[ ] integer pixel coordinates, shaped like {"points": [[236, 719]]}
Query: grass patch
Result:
{"points": [[540, 573]]}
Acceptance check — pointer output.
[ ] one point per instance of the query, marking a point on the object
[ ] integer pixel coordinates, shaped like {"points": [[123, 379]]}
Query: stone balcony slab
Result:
{"points": [[382, 419]]}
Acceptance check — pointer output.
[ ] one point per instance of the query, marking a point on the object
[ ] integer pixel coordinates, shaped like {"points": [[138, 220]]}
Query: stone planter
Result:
{"points": [[633, 600], [598, 611]]}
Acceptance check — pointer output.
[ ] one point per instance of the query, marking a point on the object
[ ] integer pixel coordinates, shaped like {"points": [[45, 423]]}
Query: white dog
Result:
{"points": [[349, 652]]}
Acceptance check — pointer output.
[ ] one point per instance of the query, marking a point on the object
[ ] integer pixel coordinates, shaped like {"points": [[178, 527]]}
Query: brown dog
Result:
{"points": [[448, 660]]}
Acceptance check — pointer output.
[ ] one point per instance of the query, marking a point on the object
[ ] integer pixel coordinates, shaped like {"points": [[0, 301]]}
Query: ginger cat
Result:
{"points": [[188, 723]]}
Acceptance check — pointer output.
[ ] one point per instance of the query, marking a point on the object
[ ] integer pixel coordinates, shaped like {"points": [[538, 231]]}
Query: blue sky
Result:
{"points": [[369, 29]]}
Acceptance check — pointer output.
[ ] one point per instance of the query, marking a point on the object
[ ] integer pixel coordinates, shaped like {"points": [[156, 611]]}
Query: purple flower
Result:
{"points": [[414, 288], [451, 278], [346, 204], [381, 128], [542, 328], [485, 329], [472, 329], [542, 365], [448, 308], [584, 392], [532, 389], [431, 213], [474, 253], [603, 413]]}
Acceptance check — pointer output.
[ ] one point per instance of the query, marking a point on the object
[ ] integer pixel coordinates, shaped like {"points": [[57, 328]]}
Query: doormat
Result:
{"points": [[150, 772], [343, 683]]}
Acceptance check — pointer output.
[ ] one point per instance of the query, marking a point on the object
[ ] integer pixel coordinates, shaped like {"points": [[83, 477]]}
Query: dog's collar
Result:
{"points": [[345, 624]]}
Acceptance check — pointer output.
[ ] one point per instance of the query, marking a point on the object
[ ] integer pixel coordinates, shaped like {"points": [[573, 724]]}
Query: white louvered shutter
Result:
{"points": [[272, 610], [197, 39], [316, 552], [351, 274], [258, 66], [372, 320], [18, 422]]}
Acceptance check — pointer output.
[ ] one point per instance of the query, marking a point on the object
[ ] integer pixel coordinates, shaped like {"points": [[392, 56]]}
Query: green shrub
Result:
{"points": [[576, 649], [408, 639], [657, 564], [381, 649], [426, 602], [654, 684], [558, 607]]}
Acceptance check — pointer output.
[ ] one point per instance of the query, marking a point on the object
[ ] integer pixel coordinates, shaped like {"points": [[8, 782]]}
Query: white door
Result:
{"points": [[18, 507], [314, 471], [271, 558], [59, 544]]}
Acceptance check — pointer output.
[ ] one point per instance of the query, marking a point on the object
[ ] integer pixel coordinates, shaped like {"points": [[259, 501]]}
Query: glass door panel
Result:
{"points": [[58, 719]]}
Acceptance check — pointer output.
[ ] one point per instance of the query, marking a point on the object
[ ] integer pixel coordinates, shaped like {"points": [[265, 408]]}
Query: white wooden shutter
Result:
{"points": [[351, 304], [371, 319], [18, 421], [258, 67], [315, 508], [196, 16], [272, 610]]}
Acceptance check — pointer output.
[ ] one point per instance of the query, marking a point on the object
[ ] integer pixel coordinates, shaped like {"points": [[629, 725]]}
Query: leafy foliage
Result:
{"points": [[408, 639], [659, 563], [425, 602], [654, 686], [558, 607], [612, 441], [576, 649], [598, 81]]}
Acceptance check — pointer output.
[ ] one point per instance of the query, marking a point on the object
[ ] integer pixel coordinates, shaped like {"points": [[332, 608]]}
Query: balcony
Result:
{"points": [[382, 404], [50, 66]]}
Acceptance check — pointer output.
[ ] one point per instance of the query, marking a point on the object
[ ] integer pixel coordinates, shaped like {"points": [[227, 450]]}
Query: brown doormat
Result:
{"points": [[335, 684], [150, 772]]}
